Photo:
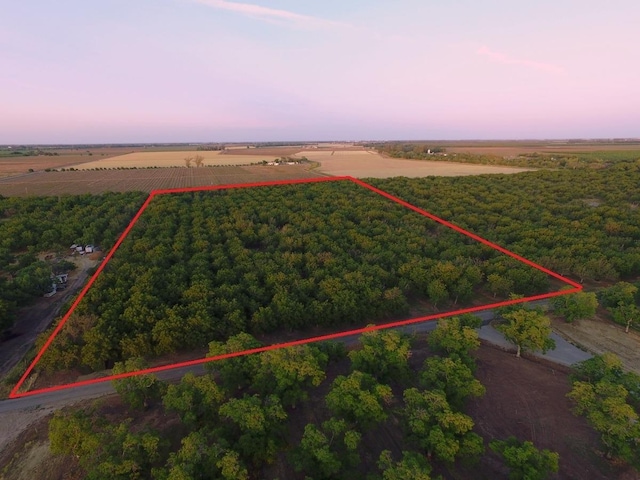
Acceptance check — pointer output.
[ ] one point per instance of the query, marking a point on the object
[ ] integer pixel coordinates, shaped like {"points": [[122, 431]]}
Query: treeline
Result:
{"points": [[31, 225], [556, 160], [208, 265], [22, 152], [273, 414]]}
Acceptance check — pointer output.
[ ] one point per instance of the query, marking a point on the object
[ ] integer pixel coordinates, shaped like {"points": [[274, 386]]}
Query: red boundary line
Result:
{"points": [[15, 394]]}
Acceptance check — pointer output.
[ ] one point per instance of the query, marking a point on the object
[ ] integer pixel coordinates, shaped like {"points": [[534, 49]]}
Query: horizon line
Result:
{"points": [[5, 145]]}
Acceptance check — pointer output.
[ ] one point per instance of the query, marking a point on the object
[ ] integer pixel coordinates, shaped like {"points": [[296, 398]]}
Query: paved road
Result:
{"points": [[565, 353], [72, 395]]}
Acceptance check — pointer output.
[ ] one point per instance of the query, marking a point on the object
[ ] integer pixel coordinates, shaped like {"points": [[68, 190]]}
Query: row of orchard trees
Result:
{"points": [[582, 223], [234, 421], [32, 225], [205, 266]]}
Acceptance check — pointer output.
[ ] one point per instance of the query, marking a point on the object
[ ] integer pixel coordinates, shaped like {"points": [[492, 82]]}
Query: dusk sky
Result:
{"points": [[112, 71]]}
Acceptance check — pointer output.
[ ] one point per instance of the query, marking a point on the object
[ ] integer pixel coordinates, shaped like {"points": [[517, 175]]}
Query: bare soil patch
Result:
{"points": [[599, 335], [24, 447], [146, 180], [527, 399]]}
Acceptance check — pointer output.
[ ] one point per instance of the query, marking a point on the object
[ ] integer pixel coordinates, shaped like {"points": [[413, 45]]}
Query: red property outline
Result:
{"points": [[15, 394]]}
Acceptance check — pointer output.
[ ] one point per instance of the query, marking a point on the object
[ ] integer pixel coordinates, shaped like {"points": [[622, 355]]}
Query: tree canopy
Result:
{"points": [[576, 306], [282, 258], [528, 330], [524, 460]]}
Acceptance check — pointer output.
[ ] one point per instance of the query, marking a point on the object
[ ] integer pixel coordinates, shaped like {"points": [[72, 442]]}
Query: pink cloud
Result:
{"points": [[506, 59], [270, 14]]}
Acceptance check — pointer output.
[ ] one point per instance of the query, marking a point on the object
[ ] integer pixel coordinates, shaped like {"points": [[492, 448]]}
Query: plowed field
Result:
{"points": [[77, 182]]}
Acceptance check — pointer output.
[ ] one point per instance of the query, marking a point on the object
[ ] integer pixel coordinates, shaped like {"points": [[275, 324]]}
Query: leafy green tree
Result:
{"points": [[126, 454], [384, 354], [105, 450], [62, 353], [195, 399], [200, 457], [469, 320], [626, 315], [452, 377], [314, 455], [254, 426], [412, 466], [395, 300], [499, 284], [608, 368], [437, 292], [98, 348], [576, 306], [140, 390], [73, 434], [327, 452], [35, 279], [288, 372], [235, 372], [231, 467], [600, 367], [441, 432], [528, 330], [605, 406], [454, 337], [524, 460], [359, 398], [621, 293], [502, 311]]}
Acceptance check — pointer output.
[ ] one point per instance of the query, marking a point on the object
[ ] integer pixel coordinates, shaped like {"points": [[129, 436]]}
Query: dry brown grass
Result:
{"points": [[599, 336], [514, 150], [368, 163], [168, 159]]}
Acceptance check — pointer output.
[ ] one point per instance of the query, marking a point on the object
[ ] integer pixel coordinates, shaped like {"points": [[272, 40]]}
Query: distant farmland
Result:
{"points": [[146, 171], [175, 159], [370, 164], [84, 181]]}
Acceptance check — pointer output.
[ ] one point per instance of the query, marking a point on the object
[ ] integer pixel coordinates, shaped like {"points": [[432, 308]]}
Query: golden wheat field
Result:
{"points": [[368, 163], [172, 159]]}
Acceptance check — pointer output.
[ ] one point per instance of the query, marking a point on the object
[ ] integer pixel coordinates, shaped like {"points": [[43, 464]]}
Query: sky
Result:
{"points": [[129, 71]]}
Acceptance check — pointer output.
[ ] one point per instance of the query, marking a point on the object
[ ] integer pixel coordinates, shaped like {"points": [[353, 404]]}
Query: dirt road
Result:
{"points": [[35, 318]]}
